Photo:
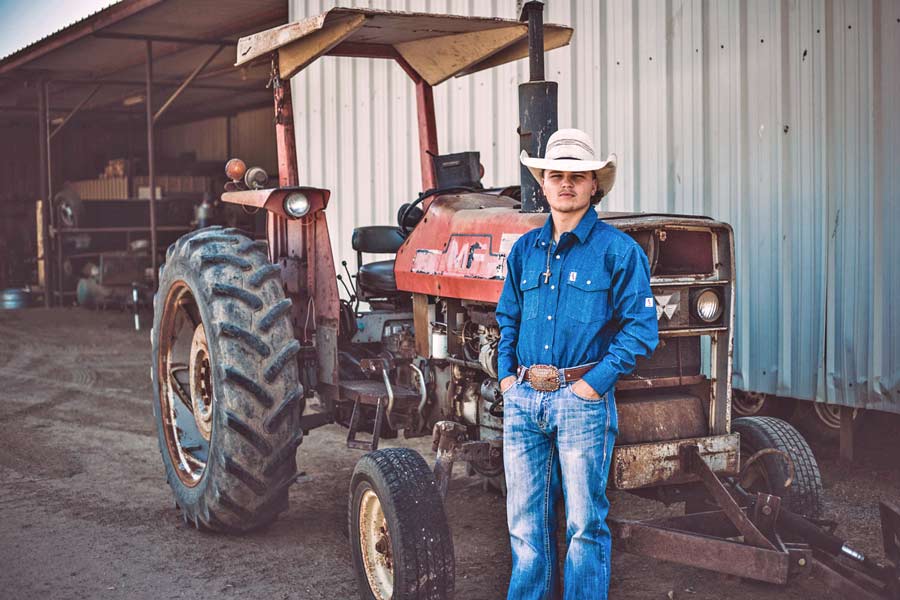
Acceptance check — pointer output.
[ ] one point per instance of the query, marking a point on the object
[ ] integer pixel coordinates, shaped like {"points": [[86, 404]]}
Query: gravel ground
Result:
{"points": [[85, 511]]}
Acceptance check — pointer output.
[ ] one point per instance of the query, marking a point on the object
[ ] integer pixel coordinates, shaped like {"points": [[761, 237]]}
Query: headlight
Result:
{"points": [[296, 204], [709, 307]]}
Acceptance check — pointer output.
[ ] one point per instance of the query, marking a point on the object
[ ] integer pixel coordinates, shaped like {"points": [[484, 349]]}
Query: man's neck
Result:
{"points": [[563, 222]]}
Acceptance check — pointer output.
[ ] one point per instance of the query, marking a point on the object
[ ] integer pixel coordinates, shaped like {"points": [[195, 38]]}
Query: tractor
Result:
{"points": [[254, 347]]}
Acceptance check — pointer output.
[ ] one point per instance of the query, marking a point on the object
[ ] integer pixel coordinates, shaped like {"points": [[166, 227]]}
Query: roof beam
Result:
{"points": [[75, 110], [190, 78], [112, 35], [105, 18]]}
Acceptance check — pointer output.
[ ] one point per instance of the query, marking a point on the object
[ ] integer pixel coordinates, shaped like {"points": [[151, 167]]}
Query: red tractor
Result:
{"points": [[253, 346]]}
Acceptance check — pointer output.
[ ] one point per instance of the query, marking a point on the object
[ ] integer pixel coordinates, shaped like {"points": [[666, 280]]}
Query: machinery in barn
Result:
{"points": [[253, 347]]}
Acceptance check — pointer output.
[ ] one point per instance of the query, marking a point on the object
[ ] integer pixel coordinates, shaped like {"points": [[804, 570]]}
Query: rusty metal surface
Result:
{"points": [[697, 551], [843, 582], [472, 40], [729, 506], [371, 392], [272, 199], [446, 438], [660, 417], [428, 140], [459, 249], [642, 465]]}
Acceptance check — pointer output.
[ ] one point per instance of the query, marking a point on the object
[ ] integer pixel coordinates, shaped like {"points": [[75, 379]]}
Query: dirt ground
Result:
{"points": [[85, 511]]}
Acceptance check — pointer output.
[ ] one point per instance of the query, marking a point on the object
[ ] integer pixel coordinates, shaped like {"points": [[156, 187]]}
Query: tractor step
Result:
{"points": [[367, 391], [394, 402]]}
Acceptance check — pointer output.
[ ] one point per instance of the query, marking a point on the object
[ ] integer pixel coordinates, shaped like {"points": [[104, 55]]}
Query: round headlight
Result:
{"points": [[709, 307], [296, 204]]}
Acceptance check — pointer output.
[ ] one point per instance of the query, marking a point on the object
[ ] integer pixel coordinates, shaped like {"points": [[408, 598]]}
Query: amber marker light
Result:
{"points": [[235, 169]]}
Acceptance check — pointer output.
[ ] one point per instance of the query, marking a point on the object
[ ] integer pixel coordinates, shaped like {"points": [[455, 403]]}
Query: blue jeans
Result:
{"points": [[552, 442]]}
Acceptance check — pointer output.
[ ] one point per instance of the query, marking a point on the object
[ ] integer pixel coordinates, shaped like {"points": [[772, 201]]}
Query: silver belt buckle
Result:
{"points": [[543, 378]]}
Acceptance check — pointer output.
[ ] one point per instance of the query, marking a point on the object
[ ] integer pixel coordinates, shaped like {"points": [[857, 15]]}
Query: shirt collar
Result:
{"points": [[581, 231]]}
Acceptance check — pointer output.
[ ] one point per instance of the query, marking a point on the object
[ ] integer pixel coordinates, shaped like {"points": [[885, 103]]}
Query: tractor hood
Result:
{"points": [[436, 47], [459, 248]]}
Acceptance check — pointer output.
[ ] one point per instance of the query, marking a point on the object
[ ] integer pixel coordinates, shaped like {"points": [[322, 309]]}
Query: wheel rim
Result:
{"points": [[830, 414], [185, 380], [375, 544], [747, 404]]}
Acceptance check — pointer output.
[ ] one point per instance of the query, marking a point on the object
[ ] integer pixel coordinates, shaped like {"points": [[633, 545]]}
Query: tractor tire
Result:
{"points": [[399, 536], [227, 396], [804, 496]]}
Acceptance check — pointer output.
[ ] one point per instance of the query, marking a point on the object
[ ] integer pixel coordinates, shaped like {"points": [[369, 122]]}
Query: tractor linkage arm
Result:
{"points": [[742, 538]]}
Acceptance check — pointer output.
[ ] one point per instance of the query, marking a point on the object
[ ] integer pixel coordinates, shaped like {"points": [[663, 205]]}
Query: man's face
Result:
{"points": [[568, 192]]}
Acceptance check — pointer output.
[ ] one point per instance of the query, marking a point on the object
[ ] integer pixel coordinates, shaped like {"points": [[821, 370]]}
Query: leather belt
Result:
{"points": [[547, 378]]}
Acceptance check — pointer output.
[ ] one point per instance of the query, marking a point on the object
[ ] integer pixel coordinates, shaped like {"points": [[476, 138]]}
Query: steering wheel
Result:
{"points": [[405, 212]]}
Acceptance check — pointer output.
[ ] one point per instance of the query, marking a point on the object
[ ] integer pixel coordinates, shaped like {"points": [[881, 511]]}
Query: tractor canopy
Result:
{"points": [[430, 47]]}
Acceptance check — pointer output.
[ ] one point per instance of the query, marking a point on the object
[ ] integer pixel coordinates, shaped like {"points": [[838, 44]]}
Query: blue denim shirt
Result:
{"points": [[596, 305]]}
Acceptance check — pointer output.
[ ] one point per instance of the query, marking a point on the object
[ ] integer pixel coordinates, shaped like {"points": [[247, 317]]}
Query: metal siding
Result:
{"points": [[774, 115]]}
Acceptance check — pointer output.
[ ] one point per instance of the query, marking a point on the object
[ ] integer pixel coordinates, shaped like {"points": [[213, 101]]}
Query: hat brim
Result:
{"points": [[604, 170]]}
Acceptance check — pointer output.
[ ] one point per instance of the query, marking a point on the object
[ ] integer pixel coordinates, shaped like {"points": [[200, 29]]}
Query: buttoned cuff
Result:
{"points": [[602, 378]]}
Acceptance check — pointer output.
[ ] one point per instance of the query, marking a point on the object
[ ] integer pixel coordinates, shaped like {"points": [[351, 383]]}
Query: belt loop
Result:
{"points": [[520, 375]]}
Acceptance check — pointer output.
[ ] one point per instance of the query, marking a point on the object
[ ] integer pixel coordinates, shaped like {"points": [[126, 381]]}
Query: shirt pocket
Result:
{"points": [[530, 295], [588, 297]]}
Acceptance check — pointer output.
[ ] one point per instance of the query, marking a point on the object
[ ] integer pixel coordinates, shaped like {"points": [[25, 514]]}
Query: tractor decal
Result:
{"points": [[466, 255]]}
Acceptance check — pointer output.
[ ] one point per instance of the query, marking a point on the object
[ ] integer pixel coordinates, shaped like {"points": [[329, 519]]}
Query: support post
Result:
{"points": [[46, 210], [846, 451], [428, 142], [276, 225], [151, 164]]}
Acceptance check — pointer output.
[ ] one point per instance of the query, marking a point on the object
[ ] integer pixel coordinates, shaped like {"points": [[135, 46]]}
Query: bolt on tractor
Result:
{"points": [[253, 347]]}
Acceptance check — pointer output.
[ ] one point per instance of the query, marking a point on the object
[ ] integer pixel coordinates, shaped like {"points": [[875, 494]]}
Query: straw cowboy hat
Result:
{"points": [[572, 150]]}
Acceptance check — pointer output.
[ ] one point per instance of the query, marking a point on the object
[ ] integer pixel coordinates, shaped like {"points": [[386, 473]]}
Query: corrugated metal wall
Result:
{"points": [[776, 116], [252, 138]]}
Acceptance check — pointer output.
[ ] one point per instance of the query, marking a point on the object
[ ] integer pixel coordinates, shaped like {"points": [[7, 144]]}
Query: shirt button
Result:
{"points": [[546, 346], [523, 281], [549, 317], [552, 287], [589, 282], [557, 256]]}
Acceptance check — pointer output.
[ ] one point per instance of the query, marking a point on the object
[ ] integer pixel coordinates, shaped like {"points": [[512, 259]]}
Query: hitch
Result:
{"points": [[743, 538]]}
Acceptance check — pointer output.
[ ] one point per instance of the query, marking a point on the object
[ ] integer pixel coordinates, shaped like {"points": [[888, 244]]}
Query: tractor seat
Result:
{"points": [[377, 239], [378, 277]]}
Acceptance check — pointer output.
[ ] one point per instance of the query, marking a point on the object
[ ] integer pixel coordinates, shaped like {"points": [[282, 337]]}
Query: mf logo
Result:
{"points": [[667, 305]]}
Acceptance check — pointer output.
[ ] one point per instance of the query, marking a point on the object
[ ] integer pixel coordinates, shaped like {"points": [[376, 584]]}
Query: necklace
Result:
{"points": [[546, 273]]}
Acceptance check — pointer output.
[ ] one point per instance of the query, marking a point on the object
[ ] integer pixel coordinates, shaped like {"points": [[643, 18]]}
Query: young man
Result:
{"points": [[575, 313]]}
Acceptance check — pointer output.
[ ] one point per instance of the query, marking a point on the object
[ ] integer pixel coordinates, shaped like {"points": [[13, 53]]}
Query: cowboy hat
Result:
{"points": [[572, 150]]}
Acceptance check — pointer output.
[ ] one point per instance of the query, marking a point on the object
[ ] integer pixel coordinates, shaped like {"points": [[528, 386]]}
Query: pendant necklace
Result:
{"points": [[546, 273]]}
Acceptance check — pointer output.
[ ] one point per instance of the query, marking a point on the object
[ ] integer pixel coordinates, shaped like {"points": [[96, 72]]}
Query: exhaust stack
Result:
{"points": [[538, 108]]}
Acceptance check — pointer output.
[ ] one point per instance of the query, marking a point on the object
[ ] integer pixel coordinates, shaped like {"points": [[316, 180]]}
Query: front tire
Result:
{"points": [[804, 496], [399, 537], [225, 381]]}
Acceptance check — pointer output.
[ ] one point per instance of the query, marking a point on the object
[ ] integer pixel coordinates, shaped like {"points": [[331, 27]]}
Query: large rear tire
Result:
{"points": [[399, 537], [225, 381], [804, 496]]}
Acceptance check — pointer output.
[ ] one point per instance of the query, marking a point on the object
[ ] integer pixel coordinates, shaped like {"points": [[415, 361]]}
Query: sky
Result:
{"points": [[26, 21]]}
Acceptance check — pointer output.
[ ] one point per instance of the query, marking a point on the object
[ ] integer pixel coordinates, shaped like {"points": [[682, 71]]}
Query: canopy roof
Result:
{"points": [[435, 47], [109, 48]]}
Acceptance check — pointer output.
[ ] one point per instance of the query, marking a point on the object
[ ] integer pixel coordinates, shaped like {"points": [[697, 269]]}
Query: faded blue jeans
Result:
{"points": [[557, 442]]}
